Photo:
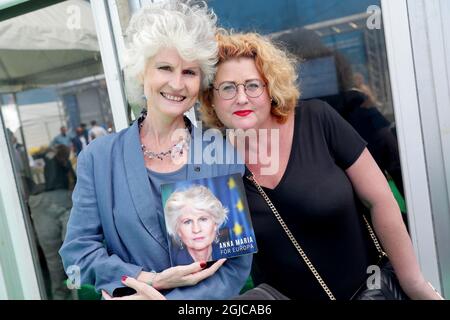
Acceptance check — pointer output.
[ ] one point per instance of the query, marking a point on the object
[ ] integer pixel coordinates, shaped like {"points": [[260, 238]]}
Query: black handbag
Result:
{"points": [[262, 292], [389, 288]]}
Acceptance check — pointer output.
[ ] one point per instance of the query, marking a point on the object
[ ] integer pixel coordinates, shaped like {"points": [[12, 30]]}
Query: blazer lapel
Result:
{"points": [[140, 186]]}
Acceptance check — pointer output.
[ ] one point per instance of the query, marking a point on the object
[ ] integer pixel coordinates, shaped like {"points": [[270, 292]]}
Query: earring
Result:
{"points": [[272, 102], [181, 245], [217, 240]]}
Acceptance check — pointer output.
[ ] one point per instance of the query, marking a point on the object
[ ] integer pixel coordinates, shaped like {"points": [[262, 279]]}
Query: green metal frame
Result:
{"points": [[17, 8]]}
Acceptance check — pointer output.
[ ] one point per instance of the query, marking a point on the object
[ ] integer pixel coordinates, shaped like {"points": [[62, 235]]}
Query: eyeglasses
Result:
{"points": [[252, 88]]}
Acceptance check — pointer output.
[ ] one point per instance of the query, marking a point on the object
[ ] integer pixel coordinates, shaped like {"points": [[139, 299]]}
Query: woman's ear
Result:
{"points": [[178, 236]]}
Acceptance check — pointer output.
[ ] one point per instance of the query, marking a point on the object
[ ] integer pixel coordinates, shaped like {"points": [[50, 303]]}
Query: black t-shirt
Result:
{"points": [[317, 201]]}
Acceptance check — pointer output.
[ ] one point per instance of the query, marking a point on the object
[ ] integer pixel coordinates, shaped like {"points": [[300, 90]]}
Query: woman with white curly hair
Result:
{"points": [[193, 220], [115, 234]]}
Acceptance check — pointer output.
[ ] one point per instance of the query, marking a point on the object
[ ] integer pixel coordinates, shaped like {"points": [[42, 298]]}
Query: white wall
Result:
{"points": [[41, 122], [410, 136], [430, 26]]}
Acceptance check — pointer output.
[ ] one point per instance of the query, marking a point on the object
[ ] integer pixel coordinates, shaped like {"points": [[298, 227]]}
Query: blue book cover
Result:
{"points": [[207, 219]]}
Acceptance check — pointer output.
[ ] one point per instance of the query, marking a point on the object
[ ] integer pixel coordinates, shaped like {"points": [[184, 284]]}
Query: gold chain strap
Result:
{"points": [[297, 246], [291, 237], [374, 238]]}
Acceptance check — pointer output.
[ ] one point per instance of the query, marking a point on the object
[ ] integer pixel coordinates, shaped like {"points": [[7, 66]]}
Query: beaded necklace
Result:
{"points": [[176, 151]]}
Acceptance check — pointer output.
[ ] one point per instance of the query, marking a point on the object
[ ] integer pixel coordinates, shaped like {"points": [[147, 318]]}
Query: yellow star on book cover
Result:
{"points": [[231, 183], [237, 229], [240, 206]]}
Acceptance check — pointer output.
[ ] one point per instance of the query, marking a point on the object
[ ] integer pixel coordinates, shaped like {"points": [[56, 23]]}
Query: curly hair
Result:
{"points": [[187, 26], [276, 66], [198, 197]]}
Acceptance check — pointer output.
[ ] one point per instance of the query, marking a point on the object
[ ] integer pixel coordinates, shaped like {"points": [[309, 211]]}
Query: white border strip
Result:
{"points": [[412, 154]]}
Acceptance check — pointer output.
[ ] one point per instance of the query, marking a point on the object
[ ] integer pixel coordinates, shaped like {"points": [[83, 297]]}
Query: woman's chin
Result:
{"points": [[176, 113], [244, 123], [173, 110], [200, 247]]}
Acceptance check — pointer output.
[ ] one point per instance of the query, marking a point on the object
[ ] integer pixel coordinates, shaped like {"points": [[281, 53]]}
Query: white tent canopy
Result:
{"points": [[48, 46]]}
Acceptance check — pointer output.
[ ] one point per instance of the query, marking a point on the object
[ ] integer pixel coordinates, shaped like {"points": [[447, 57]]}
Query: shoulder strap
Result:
{"points": [[297, 246]]}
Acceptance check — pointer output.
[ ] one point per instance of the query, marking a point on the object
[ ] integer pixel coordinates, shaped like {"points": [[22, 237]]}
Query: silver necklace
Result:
{"points": [[176, 151]]}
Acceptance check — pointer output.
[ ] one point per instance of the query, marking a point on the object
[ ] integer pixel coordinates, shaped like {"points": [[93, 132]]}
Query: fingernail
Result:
{"points": [[124, 278], [202, 265]]}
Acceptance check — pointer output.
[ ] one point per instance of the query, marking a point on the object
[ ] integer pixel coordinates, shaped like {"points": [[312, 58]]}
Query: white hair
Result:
{"points": [[198, 197], [187, 26]]}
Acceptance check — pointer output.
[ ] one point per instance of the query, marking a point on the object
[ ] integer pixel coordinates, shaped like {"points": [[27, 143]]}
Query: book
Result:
{"points": [[207, 219]]}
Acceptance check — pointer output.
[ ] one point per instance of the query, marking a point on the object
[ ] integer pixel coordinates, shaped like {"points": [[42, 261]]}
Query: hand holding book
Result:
{"points": [[180, 276]]}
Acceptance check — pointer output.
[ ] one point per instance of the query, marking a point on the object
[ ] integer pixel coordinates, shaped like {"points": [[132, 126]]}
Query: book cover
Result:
{"points": [[207, 219]]}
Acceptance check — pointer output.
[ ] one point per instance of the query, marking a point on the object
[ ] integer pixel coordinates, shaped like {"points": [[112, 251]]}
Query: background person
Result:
{"points": [[62, 138], [85, 131], [79, 142], [96, 131], [50, 212]]}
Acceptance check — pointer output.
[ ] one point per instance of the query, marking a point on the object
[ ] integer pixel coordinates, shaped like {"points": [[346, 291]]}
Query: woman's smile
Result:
{"points": [[173, 97]]}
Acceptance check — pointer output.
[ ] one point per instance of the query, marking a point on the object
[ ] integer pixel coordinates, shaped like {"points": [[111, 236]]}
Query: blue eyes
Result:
{"points": [[189, 221]]}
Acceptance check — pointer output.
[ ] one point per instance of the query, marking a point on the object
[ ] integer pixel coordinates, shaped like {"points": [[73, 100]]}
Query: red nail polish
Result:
{"points": [[124, 278], [202, 265]]}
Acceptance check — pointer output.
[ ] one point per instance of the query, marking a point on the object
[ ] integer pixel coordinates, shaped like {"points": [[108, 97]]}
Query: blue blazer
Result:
{"points": [[113, 230]]}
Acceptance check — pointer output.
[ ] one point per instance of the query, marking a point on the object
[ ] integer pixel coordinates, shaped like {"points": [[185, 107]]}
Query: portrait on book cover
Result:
{"points": [[207, 219]]}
